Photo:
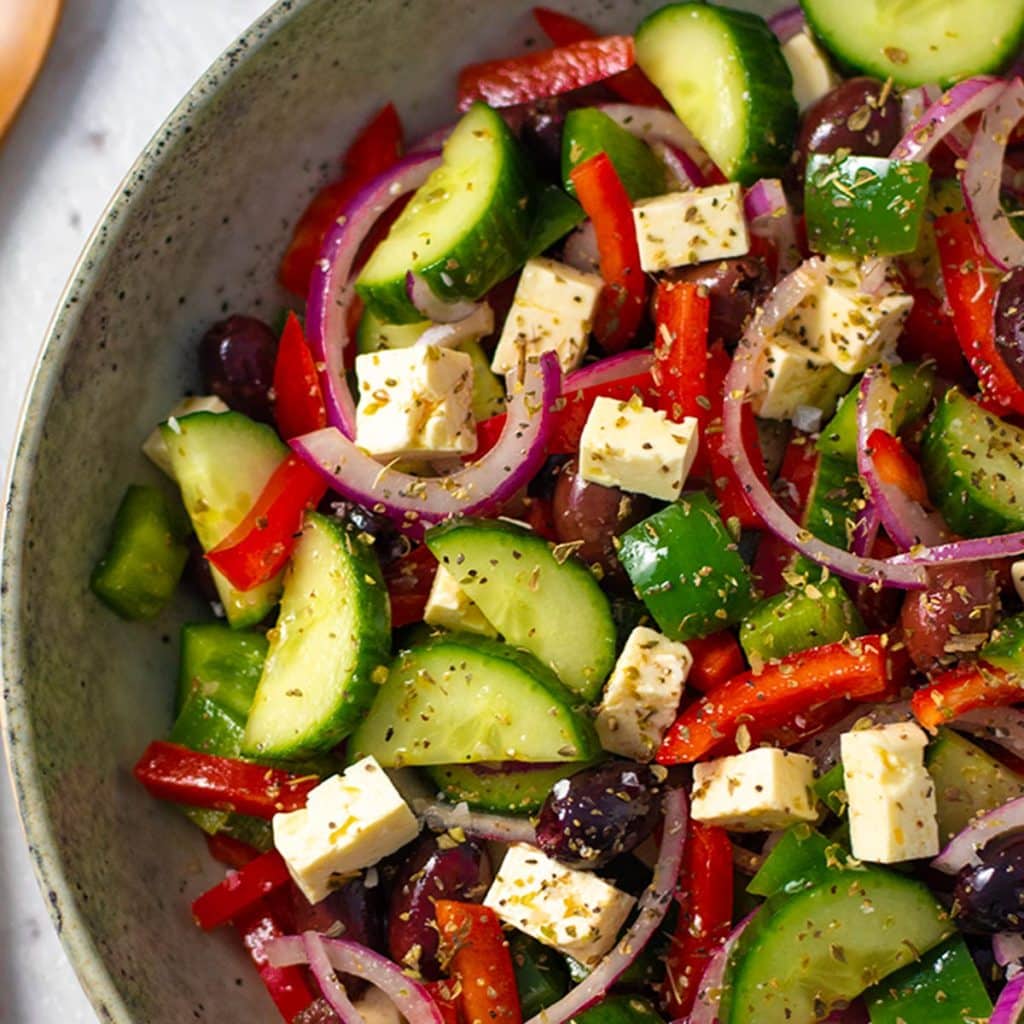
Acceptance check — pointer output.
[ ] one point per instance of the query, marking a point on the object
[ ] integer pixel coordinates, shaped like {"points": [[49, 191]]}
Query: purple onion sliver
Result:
{"points": [[327, 980], [978, 549], [962, 849], [709, 988], [1008, 948], [653, 124], [1002, 726], [625, 364], [865, 530], [787, 23], [1009, 1006]]}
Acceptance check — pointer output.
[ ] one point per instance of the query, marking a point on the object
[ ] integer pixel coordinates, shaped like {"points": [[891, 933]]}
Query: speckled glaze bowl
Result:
{"points": [[196, 230]]}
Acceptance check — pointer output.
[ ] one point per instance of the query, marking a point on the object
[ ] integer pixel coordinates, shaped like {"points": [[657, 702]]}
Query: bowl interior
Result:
{"points": [[195, 231]]}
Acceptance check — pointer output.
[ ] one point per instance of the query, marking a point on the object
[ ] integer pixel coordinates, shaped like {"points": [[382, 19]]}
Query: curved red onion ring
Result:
{"points": [[769, 216], [1009, 1008], [681, 166], [709, 989], [652, 908], [625, 364], [431, 306], [787, 22], [412, 501], [914, 102], [1008, 948], [478, 324], [327, 978], [331, 291], [977, 549], [983, 177], [503, 828], [963, 848], [433, 140], [865, 530], [1002, 726], [653, 124]]}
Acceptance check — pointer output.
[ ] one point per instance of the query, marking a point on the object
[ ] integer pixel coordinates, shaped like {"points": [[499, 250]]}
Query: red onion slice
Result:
{"points": [[433, 307], [683, 170], [963, 848], [330, 288], [1002, 726], [478, 324], [1009, 1008], [865, 530], [612, 368], [502, 828], [914, 102], [1008, 948], [712, 982], [653, 124], [787, 22], [413, 501], [769, 216], [983, 177], [651, 912], [978, 549], [327, 978]]}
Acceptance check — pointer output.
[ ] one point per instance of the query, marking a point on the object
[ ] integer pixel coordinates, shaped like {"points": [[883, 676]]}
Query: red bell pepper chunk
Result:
{"points": [[229, 899], [298, 402], [860, 669], [409, 580], [963, 689], [258, 548], [705, 895], [230, 851], [481, 964], [895, 466], [972, 285], [534, 76], [183, 776], [930, 334], [606, 202], [445, 998], [716, 658]]}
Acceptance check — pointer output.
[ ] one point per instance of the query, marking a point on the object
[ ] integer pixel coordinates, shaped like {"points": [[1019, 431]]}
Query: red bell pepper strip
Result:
{"points": [[481, 964], [857, 670], [965, 688], [258, 548], [374, 150], [445, 998], [298, 402], [183, 776], [607, 204], [705, 895], [631, 85], [409, 580], [510, 81], [230, 851], [716, 658], [240, 890], [895, 466], [972, 285]]}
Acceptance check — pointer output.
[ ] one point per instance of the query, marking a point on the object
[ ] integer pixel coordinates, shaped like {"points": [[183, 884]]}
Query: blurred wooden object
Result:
{"points": [[26, 29]]}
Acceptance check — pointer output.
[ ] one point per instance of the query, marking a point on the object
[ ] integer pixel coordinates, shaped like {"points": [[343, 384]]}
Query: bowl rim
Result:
{"points": [[58, 893]]}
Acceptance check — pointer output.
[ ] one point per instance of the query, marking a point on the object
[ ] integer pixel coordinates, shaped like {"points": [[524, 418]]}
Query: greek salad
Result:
{"points": [[616, 549]]}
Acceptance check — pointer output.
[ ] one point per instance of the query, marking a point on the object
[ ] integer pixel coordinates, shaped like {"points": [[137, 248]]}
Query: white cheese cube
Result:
{"points": [[628, 445], [155, 448], [572, 911], [450, 607], [350, 821], [697, 226], [792, 376], [552, 311], [759, 791], [642, 694], [890, 795], [813, 75], [1017, 573], [415, 402]]}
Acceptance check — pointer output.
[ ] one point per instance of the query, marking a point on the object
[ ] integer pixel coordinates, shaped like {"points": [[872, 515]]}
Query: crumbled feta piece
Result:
{"points": [[552, 311], [1017, 573], [759, 791], [890, 795], [415, 401], [450, 607], [813, 75], [628, 445], [642, 694], [350, 821], [155, 447], [794, 377], [572, 911], [697, 226]]}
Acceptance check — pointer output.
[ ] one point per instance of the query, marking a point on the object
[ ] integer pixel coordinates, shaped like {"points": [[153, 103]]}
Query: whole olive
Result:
{"points": [[388, 542], [354, 911], [736, 288], [539, 125], [989, 896], [198, 573], [1010, 322], [236, 360]]}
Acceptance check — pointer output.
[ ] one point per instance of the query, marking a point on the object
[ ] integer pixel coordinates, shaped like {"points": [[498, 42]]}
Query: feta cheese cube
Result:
{"points": [[350, 821], [890, 795], [155, 448], [792, 376], [572, 911], [682, 228], [813, 75], [628, 445], [415, 401], [642, 694], [552, 311], [759, 791], [450, 607]]}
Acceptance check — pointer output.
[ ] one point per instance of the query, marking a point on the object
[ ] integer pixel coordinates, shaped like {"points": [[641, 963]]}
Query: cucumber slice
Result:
{"points": [[466, 228], [329, 645], [914, 42], [221, 462], [504, 788], [222, 663], [550, 606], [724, 74], [462, 700]]}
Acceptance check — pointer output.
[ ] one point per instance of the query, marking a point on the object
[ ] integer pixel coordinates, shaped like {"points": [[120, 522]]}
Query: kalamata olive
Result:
{"points": [[989, 897], [736, 287], [388, 542], [433, 871], [539, 125], [355, 911], [598, 814], [197, 571], [1010, 322], [593, 516], [236, 359]]}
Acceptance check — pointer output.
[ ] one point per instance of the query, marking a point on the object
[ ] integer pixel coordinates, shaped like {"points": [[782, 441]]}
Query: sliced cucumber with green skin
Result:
{"points": [[1005, 647], [466, 228], [222, 663], [973, 463], [328, 649], [503, 788], [807, 952], [546, 604], [915, 42], [222, 461], [724, 74], [462, 700], [557, 214]]}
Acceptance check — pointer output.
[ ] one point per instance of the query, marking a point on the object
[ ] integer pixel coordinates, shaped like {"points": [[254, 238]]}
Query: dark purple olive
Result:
{"points": [[434, 871], [989, 897], [198, 574], [539, 125], [736, 288], [598, 814], [388, 542], [1010, 322], [592, 516], [236, 359], [355, 911]]}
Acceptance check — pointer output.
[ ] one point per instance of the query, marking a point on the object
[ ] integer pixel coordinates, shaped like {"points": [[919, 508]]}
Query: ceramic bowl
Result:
{"points": [[195, 231]]}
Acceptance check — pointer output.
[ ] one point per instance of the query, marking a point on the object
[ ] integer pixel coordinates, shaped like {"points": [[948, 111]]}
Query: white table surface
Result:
{"points": [[116, 70]]}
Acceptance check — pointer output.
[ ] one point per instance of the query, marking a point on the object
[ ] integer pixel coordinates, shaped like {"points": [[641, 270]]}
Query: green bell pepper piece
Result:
{"points": [[541, 975], [557, 214], [802, 857], [222, 663], [621, 1010]]}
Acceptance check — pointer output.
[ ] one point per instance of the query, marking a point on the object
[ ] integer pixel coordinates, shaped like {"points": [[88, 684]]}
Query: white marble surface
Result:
{"points": [[116, 70]]}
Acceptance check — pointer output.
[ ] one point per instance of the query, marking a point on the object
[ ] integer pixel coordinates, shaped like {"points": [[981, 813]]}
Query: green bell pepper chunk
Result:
{"points": [[222, 663], [801, 858], [621, 1010], [541, 975], [831, 789], [557, 214]]}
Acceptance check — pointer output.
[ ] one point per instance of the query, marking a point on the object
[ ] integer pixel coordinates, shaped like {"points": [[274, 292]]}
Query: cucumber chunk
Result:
{"points": [[222, 663], [505, 788], [724, 74], [466, 228], [462, 700], [557, 214], [915, 42], [328, 647], [547, 605]]}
